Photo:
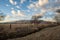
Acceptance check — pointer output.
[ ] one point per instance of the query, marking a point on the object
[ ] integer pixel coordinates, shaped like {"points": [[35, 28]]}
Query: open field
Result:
{"points": [[11, 31], [51, 33]]}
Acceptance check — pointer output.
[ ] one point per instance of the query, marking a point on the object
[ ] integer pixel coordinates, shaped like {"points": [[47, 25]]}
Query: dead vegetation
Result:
{"points": [[51, 33], [21, 30]]}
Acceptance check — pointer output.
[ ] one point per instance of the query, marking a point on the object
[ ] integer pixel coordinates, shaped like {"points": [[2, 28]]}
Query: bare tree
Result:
{"points": [[38, 16], [57, 17], [35, 18]]}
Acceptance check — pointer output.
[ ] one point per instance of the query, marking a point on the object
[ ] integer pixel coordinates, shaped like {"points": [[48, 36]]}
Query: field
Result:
{"points": [[18, 30], [44, 34]]}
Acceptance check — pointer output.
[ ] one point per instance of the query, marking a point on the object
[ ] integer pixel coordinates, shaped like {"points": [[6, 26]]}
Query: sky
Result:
{"points": [[15, 10]]}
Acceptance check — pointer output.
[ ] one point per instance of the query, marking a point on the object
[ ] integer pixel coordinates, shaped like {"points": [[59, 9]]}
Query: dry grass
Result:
{"points": [[52, 33], [20, 30]]}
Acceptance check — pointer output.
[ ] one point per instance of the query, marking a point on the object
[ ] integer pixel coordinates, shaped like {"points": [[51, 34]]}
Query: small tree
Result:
{"points": [[35, 19]]}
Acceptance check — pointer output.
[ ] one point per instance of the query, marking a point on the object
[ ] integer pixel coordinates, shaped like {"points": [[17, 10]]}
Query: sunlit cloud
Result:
{"points": [[20, 13], [13, 12], [12, 8], [14, 17], [42, 12], [12, 2], [31, 6], [37, 4], [22, 1], [7, 19], [8, 16], [17, 13], [42, 2], [17, 7]]}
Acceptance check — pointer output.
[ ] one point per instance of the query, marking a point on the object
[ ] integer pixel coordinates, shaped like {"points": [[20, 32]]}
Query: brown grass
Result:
{"points": [[20, 30], [52, 33]]}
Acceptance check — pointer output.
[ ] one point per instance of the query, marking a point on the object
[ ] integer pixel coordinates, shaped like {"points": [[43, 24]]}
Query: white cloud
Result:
{"points": [[22, 1], [42, 2], [41, 13], [35, 6], [38, 4], [8, 16], [17, 13], [12, 8], [31, 6], [17, 7], [7, 19], [13, 12], [16, 16], [12, 2], [20, 13]]}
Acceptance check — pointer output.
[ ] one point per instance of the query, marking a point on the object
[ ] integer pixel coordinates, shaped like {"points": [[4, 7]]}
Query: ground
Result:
{"points": [[28, 31], [52, 33]]}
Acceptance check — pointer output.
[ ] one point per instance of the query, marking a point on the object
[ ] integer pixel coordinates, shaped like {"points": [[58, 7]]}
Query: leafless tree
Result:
{"points": [[35, 19], [57, 17]]}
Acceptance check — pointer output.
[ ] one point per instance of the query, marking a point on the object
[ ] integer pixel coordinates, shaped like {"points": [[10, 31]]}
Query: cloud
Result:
{"points": [[42, 2], [16, 16], [37, 4], [34, 6], [17, 7], [12, 2], [31, 6], [13, 12], [12, 8], [7, 17], [41, 13], [22, 1], [17, 13], [20, 13]]}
